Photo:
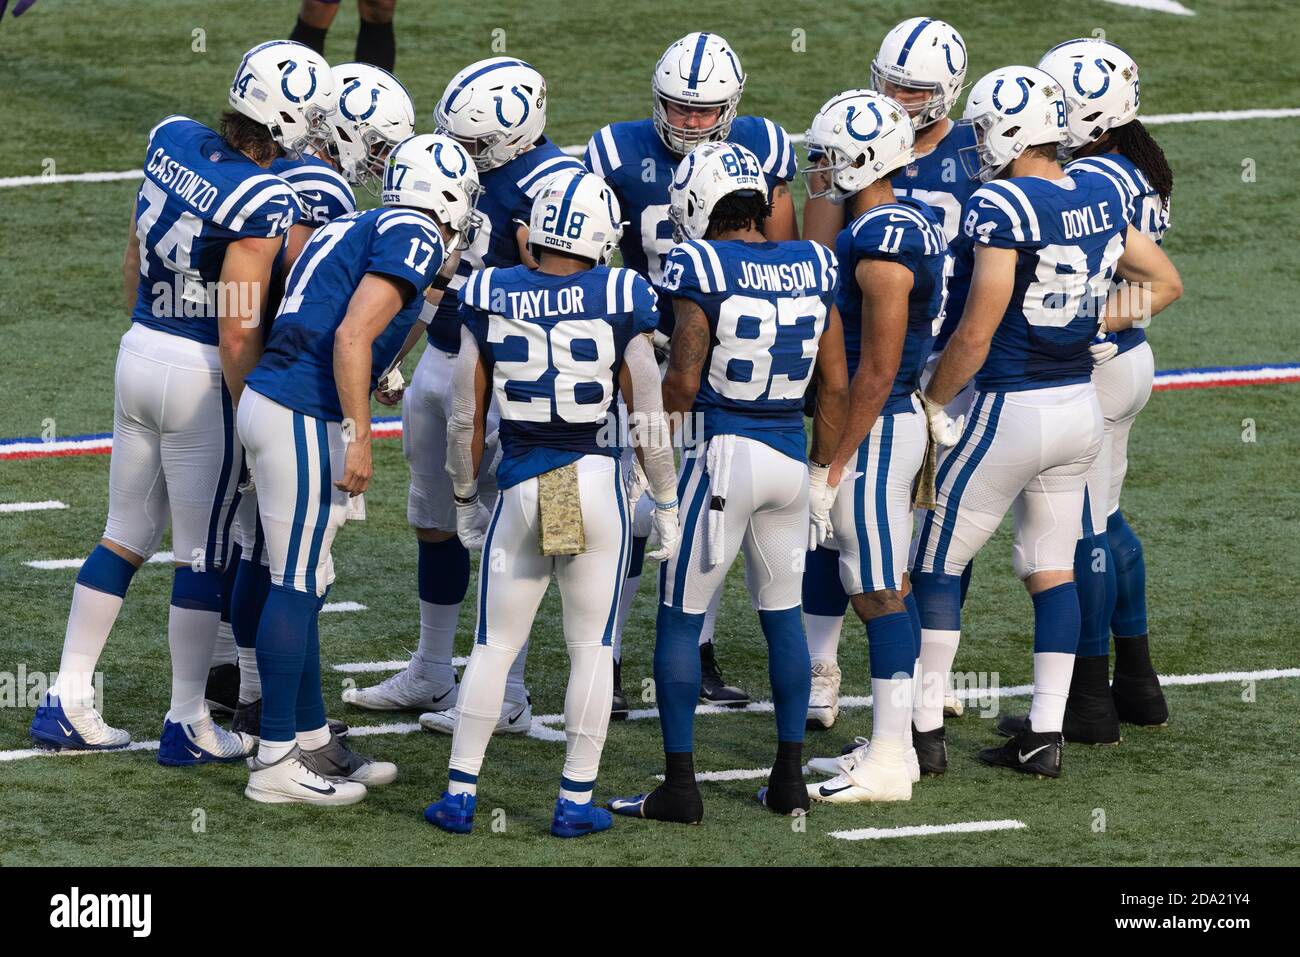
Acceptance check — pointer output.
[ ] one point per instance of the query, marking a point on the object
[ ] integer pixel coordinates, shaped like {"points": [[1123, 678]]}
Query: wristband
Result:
{"points": [[665, 506]]}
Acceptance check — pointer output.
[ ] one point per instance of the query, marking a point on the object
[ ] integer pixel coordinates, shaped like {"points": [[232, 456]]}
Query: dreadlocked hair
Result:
{"points": [[249, 136], [737, 211], [1133, 140]]}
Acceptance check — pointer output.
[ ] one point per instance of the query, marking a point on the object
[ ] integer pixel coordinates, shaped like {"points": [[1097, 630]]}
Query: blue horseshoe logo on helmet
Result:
{"points": [[522, 99], [1105, 80], [355, 84], [947, 55], [284, 83], [437, 158], [1021, 82], [686, 177], [864, 137]]}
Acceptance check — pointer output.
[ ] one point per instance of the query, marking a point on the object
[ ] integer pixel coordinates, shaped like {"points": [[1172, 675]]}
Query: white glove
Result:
{"points": [[643, 517], [472, 519], [666, 532], [820, 499], [635, 482], [1103, 349], [492, 453], [944, 429]]}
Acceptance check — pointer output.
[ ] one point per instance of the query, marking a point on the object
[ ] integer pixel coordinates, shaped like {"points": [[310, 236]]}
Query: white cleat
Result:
{"points": [[952, 706], [57, 727], [824, 699], [516, 718], [881, 775], [217, 741], [837, 766], [406, 692], [289, 781]]}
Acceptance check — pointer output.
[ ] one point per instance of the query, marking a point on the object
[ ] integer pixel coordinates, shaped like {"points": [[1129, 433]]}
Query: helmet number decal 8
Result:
{"points": [[756, 350], [574, 223], [552, 350]]}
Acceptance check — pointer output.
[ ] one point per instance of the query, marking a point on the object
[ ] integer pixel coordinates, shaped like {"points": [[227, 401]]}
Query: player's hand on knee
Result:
{"points": [[666, 534], [356, 469], [821, 496], [472, 519], [944, 429]]}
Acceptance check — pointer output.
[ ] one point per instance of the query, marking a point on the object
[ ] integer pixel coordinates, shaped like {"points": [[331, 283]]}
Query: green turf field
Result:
{"points": [[1218, 515]]}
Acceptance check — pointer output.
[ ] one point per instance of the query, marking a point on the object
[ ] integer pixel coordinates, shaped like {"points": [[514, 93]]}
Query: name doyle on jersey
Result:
{"points": [[1087, 221], [776, 277], [185, 183]]}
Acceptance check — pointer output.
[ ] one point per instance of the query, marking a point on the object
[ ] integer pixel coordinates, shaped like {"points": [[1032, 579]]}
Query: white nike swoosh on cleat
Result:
{"points": [[66, 732], [1025, 757], [197, 754]]}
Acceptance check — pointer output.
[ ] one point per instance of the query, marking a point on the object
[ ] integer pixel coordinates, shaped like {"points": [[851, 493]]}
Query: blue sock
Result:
{"points": [[789, 669], [822, 592], [252, 585], [677, 675], [1056, 620], [282, 638], [890, 644], [938, 600], [105, 570], [1094, 576], [637, 562], [200, 591], [1130, 617], [443, 571], [310, 711], [228, 575], [965, 581], [909, 602]]}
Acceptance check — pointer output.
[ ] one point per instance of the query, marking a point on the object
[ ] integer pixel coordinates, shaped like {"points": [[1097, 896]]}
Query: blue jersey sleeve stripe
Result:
{"points": [[1031, 217], [702, 277], [1126, 198], [629, 304], [387, 222], [167, 121], [345, 197], [719, 275], [591, 158], [272, 193], [222, 216], [1004, 204], [532, 181], [611, 293]]}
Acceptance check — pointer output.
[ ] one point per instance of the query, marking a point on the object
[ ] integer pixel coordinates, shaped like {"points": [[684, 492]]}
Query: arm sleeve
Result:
{"points": [[648, 422], [460, 426]]}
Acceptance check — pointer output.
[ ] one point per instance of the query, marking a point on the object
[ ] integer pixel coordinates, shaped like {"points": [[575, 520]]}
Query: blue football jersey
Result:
{"points": [[939, 179], [909, 233], [555, 346], [297, 368], [198, 196], [323, 193], [507, 200], [1150, 212], [1068, 234], [767, 305], [632, 158]]}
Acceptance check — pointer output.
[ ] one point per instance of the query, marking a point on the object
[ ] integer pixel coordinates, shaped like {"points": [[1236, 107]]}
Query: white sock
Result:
{"points": [[437, 636], [515, 689], [1053, 672], [250, 682], [891, 710], [314, 740], [268, 752], [191, 633], [577, 797], [823, 633], [916, 686], [461, 787], [586, 713], [938, 649], [710, 618], [478, 708], [89, 622], [225, 651], [625, 600]]}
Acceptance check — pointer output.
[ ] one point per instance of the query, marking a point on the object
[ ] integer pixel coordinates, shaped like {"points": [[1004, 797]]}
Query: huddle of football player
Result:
{"points": [[961, 319]]}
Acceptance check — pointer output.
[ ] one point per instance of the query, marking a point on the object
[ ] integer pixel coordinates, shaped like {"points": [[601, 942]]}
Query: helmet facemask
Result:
{"points": [[680, 140], [923, 114]]}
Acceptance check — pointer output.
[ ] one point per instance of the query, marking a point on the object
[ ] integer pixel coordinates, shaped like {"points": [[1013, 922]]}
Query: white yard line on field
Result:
{"points": [[1156, 119], [336, 606], [924, 830], [368, 667], [7, 508], [57, 564], [1160, 6]]}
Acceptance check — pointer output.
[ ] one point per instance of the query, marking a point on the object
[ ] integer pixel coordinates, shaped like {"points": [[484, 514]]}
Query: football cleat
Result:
{"points": [[222, 692], [678, 805], [55, 728], [824, 698], [337, 762], [618, 707], [452, 812], [1029, 752], [201, 742], [1090, 716], [855, 752], [931, 751], [713, 689], [881, 774], [248, 720], [406, 692], [578, 820], [785, 794], [289, 781], [1136, 689], [952, 706], [516, 717]]}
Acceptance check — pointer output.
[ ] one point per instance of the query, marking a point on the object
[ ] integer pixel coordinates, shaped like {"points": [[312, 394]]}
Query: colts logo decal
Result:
{"points": [[284, 83], [1105, 80], [947, 55], [458, 153], [1024, 101], [864, 137], [522, 99], [355, 84]]}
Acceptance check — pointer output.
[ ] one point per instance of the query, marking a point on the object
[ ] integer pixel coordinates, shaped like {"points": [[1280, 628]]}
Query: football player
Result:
{"points": [[553, 346], [350, 301], [921, 65], [1045, 247], [496, 110], [755, 324], [894, 261], [375, 40], [1101, 81], [696, 86], [208, 224]]}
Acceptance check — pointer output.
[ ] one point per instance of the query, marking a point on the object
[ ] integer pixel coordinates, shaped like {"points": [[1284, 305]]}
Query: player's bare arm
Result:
{"points": [[131, 265], [377, 300], [247, 266], [298, 237], [781, 223], [832, 374], [639, 383], [822, 219], [467, 426], [991, 285], [691, 340], [525, 256], [1152, 281]]}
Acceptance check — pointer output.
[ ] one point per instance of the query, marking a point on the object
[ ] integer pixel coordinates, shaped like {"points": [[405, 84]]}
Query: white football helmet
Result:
{"points": [[699, 70], [1101, 86], [1012, 109], [922, 54], [495, 108], [436, 174], [577, 213], [864, 136], [289, 87], [703, 177], [373, 114]]}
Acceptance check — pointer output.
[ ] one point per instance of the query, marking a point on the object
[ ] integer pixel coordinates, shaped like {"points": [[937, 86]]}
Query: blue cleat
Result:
{"points": [[676, 805], [453, 813], [201, 742], [578, 820], [54, 729]]}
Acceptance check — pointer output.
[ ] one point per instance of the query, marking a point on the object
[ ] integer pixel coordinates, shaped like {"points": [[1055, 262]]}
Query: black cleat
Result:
{"points": [[1136, 689], [248, 719], [713, 689], [337, 762], [618, 707], [931, 750], [1029, 752], [1090, 716], [677, 805], [222, 692]]}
